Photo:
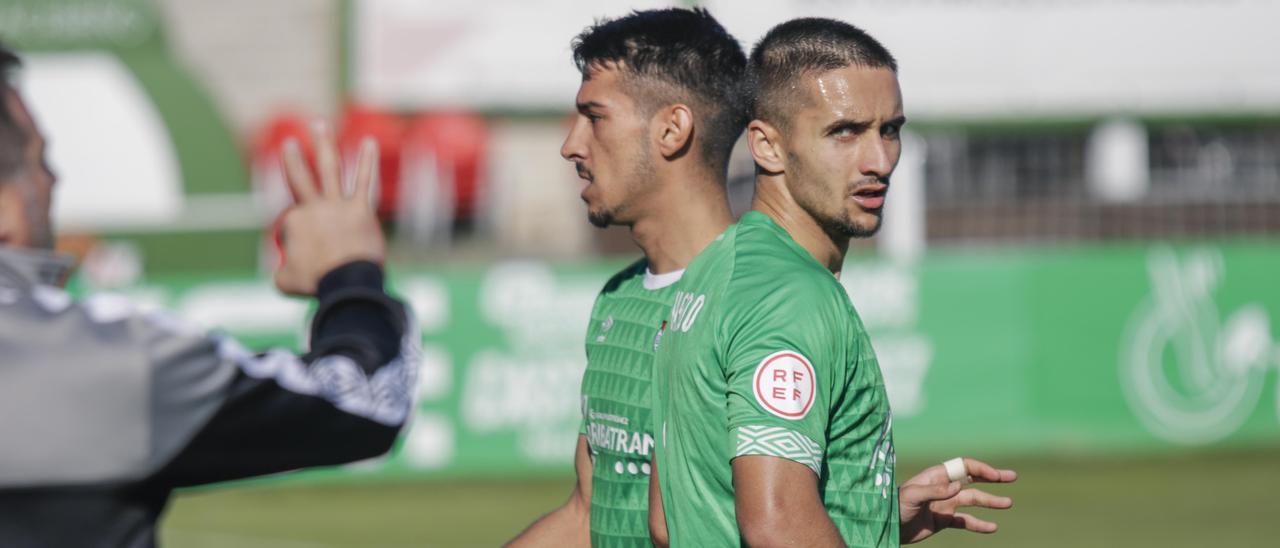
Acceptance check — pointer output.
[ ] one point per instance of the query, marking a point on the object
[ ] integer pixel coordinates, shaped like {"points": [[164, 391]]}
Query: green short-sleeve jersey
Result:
{"points": [[763, 354], [616, 407]]}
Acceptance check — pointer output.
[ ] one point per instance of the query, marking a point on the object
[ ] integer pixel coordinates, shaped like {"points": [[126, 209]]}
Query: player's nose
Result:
{"points": [[574, 148], [876, 158]]}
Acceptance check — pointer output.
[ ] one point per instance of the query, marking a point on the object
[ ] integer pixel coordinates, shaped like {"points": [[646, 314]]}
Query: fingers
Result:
{"points": [[366, 170], [297, 173], [919, 495], [327, 162], [967, 522], [981, 499], [931, 475], [277, 236], [981, 471], [976, 470]]}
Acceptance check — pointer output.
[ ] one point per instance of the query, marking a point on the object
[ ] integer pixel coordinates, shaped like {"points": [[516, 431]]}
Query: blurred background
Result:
{"points": [[1077, 275]]}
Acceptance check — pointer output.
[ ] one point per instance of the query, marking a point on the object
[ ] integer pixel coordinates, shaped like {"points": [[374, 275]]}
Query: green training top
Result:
{"points": [[763, 354], [615, 402]]}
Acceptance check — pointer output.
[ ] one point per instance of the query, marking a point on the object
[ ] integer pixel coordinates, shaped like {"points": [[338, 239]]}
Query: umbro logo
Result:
{"points": [[605, 326]]}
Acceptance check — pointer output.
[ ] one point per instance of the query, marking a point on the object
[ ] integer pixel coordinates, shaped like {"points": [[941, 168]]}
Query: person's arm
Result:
{"points": [[786, 363], [570, 524], [344, 400], [777, 504], [657, 514], [928, 502]]}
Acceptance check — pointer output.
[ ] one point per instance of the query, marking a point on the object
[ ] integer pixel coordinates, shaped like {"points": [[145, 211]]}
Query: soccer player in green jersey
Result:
{"points": [[658, 113], [774, 426]]}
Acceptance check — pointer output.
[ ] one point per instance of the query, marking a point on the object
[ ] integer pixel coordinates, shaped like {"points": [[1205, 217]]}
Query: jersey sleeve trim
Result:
{"points": [[775, 441]]}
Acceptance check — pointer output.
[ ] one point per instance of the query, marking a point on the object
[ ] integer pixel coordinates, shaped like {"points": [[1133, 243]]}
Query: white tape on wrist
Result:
{"points": [[955, 469]]}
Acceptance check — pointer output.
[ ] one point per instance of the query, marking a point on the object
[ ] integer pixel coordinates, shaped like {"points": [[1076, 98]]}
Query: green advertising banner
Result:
{"points": [[1093, 350]]}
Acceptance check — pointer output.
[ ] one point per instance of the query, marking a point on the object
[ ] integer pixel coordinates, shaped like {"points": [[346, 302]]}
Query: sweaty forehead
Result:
{"points": [[852, 92]]}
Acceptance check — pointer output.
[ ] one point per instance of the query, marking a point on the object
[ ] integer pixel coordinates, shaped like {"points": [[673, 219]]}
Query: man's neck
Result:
{"points": [[773, 199], [682, 220]]}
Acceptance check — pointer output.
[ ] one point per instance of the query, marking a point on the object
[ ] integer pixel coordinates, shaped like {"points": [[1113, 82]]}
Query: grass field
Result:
{"points": [[1206, 499]]}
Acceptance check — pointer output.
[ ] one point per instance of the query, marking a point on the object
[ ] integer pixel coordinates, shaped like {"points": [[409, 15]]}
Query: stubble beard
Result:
{"points": [[853, 229], [835, 220], [634, 184], [600, 219]]}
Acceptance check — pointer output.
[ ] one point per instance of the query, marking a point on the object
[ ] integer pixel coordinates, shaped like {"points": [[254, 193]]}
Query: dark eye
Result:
{"points": [[890, 131], [593, 118]]}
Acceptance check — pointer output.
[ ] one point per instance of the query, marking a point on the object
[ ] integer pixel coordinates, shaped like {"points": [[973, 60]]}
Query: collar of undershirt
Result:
{"points": [[658, 281]]}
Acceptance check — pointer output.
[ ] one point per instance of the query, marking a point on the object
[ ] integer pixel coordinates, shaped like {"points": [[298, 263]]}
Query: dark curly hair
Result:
{"points": [[675, 55]]}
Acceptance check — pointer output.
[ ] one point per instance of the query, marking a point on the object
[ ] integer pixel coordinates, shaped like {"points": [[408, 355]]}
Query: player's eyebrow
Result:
{"points": [[857, 126], [590, 105]]}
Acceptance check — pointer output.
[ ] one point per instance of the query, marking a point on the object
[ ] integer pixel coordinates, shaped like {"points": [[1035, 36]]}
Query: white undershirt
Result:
{"points": [[658, 281]]}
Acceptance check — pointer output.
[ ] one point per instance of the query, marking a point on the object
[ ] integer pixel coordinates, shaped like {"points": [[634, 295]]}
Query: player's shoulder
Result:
{"points": [[629, 277], [768, 262]]}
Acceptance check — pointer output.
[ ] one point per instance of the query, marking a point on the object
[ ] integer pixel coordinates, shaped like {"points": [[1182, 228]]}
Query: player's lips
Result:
{"points": [[870, 196], [587, 179]]}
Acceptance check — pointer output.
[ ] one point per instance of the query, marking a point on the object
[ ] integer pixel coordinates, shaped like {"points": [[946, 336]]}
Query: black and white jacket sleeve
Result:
{"points": [[344, 400]]}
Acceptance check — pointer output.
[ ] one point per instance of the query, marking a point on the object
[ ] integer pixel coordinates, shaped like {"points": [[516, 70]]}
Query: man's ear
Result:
{"points": [[765, 142], [673, 126]]}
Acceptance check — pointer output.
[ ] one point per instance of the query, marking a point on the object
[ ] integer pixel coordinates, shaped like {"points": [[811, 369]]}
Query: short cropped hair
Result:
{"points": [[12, 138], [675, 55], [801, 47]]}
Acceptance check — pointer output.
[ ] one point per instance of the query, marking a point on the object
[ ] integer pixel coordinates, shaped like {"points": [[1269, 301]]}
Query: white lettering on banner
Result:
{"points": [[887, 297], [531, 389], [430, 441], [536, 398], [244, 307], [1220, 366], [429, 299], [904, 360], [435, 373], [537, 311]]}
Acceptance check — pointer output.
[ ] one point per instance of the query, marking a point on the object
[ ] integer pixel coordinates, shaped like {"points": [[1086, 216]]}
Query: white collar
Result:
{"points": [[658, 281]]}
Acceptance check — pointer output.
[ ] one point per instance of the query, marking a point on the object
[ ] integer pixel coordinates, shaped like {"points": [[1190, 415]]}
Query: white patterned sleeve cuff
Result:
{"points": [[776, 441]]}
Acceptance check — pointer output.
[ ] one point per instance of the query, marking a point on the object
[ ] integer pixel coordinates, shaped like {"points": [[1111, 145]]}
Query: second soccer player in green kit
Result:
{"points": [[658, 113], [773, 422]]}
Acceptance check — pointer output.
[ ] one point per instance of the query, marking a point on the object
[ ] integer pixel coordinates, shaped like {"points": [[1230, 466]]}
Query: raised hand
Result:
{"points": [[326, 228], [928, 502]]}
